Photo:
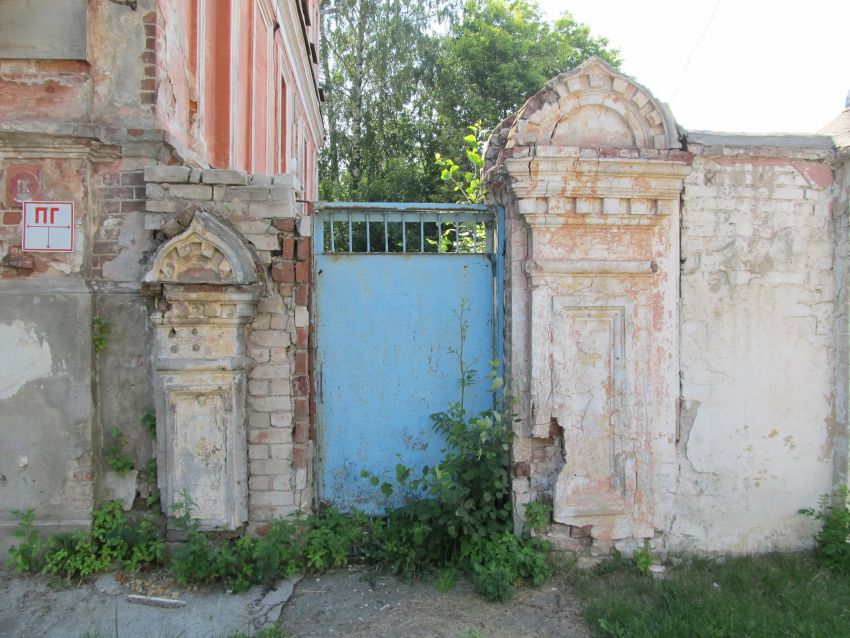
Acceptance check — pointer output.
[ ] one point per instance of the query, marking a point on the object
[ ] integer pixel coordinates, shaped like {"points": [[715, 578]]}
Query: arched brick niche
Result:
{"points": [[207, 287], [590, 172]]}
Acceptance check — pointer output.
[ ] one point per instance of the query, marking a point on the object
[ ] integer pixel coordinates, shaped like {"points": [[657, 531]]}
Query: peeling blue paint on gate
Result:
{"points": [[386, 322]]}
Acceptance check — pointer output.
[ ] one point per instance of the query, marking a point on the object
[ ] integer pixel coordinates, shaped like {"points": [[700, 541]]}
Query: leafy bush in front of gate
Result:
{"points": [[457, 515]]}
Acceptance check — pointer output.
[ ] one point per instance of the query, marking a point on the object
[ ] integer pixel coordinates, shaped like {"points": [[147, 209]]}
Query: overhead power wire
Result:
{"points": [[691, 55]]}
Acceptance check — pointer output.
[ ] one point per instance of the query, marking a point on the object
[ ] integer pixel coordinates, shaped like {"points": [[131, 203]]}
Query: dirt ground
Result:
{"points": [[356, 602], [360, 603], [45, 607]]}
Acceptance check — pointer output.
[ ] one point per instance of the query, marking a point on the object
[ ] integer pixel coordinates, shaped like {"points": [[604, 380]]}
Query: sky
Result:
{"points": [[730, 65]]}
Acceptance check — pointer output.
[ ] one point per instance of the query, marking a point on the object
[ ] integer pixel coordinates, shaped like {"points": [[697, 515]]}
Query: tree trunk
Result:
{"points": [[357, 96], [330, 108]]}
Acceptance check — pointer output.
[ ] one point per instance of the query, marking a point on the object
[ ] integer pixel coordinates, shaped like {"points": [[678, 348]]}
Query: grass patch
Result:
{"points": [[771, 596]]}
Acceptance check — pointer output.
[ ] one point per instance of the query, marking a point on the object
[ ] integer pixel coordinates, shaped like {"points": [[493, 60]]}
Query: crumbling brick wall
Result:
{"points": [[266, 211]]}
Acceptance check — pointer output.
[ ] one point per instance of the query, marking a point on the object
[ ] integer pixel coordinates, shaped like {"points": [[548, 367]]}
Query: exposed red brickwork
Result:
{"points": [[119, 193], [15, 258], [301, 408], [281, 434], [295, 265], [302, 295], [299, 458], [282, 271], [149, 59], [303, 250], [12, 218], [522, 469], [284, 225]]}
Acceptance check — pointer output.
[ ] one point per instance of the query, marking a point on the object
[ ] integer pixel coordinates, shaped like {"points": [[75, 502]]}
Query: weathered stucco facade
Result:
{"points": [[676, 312], [676, 303], [138, 114]]}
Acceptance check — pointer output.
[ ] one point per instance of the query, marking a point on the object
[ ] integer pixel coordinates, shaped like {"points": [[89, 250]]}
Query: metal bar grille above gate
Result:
{"points": [[345, 228]]}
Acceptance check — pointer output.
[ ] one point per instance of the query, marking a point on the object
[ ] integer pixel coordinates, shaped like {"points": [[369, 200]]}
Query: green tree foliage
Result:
{"points": [[377, 60], [466, 186], [503, 52], [405, 80]]}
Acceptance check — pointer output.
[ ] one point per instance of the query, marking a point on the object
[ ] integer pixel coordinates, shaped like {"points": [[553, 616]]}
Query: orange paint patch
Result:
{"points": [[818, 175], [34, 97]]}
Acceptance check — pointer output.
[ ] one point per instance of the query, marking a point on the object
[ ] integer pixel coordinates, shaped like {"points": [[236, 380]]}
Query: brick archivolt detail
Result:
{"points": [[208, 252], [595, 106], [208, 288]]}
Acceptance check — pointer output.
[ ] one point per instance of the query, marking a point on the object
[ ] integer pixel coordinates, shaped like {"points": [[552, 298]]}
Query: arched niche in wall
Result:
{"points": [[207, 286], [590, 171]]}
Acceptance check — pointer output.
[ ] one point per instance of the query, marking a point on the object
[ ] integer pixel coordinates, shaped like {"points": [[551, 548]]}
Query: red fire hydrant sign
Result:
{"points": [[48, 226]]}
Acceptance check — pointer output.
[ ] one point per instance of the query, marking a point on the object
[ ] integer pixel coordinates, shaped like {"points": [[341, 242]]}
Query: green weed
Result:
{"points": [[113, 539], [297, 544], [467, 184], [149, 422], [643, 558], [610, 564], [27, 556], [447, 579], [537, 516], [100, 329], [833, 539], [150, 474], [116, 456]]}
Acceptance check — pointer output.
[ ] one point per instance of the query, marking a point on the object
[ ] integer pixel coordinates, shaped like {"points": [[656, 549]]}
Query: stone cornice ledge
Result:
{"points": [[570, 267], [576, 176], [224, 365]]}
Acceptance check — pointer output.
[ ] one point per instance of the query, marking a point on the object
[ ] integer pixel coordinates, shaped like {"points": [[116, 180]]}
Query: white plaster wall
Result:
{"points": [[46, 410], [757, 314], [20, 342]]}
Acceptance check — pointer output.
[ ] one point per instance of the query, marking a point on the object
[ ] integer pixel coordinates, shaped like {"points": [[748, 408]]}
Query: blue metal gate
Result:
{"points": [[393, 283]]}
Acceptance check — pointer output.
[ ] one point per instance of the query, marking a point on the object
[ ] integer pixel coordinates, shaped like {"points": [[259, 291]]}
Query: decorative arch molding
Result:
{"points": [[209, 251], [590, 172], [595, 106], [207, 284]]}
